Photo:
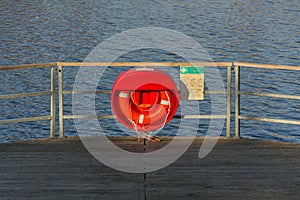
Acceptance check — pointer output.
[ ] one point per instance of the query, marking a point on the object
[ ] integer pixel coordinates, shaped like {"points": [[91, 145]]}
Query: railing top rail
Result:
{"points": [[266, 66], [28, 66], [150, 64], [115, 64]]}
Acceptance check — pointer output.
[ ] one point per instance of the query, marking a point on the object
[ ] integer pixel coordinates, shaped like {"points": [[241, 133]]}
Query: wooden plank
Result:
{"points": [[235, 169]]}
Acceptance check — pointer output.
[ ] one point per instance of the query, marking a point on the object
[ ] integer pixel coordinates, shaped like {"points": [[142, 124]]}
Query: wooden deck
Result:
{"points": [[235, 169]]}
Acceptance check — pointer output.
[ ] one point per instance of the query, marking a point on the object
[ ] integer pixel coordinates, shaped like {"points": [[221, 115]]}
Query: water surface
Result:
{"points": [[251, 31]]}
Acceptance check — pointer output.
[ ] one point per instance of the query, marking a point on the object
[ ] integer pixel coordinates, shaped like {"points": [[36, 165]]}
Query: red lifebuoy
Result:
{"points": [[145, 105], [145, 116]]}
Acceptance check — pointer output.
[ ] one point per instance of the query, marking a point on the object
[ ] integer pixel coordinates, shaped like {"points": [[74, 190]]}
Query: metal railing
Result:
{"points": [[238, 93], [61, 92], [51, 92], [57, 68]]}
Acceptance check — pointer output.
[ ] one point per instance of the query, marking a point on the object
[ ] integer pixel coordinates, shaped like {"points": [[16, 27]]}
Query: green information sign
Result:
{"points": [[191, 83], [191, 70]]}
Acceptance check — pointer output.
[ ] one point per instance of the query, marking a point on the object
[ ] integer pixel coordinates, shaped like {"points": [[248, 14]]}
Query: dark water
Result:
{"points": [[249, 31]]}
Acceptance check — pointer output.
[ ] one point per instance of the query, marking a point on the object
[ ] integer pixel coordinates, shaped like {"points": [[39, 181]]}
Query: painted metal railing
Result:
{"points": [[61, 92], [51, 92], [57, 68], [238, 93]]}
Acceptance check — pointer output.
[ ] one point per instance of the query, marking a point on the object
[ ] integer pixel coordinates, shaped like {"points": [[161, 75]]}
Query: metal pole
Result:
{"points": [[237, 101], [60, 100], [145, 173], [52, 102], [228, 112]]}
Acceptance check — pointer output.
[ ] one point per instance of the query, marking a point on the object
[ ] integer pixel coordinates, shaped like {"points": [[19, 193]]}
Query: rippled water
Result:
{"points": [[252, 31]]}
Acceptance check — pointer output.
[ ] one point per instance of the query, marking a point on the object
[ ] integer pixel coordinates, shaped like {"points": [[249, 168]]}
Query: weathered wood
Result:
{"points": [[235, 169]]}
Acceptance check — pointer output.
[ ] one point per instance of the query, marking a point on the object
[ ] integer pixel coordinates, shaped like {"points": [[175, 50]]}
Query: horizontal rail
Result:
{"points": [[29, 119], [148, 64], [113, 117], [216, 92], [87, 92], [284, 96], [28, 66], [266, 66], [153, 64], [109, 92], [22, 95], [282, 121], [88, 117], [201, 116]]}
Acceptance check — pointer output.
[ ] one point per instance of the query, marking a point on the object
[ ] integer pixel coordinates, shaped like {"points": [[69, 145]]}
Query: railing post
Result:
{"points": [[60, 101], [52, 102], [228, 112], [237, 100]]}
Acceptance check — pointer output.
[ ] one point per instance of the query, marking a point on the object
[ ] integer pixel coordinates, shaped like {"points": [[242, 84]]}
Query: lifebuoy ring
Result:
{"points": [[145, 114], [144, 99]]}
